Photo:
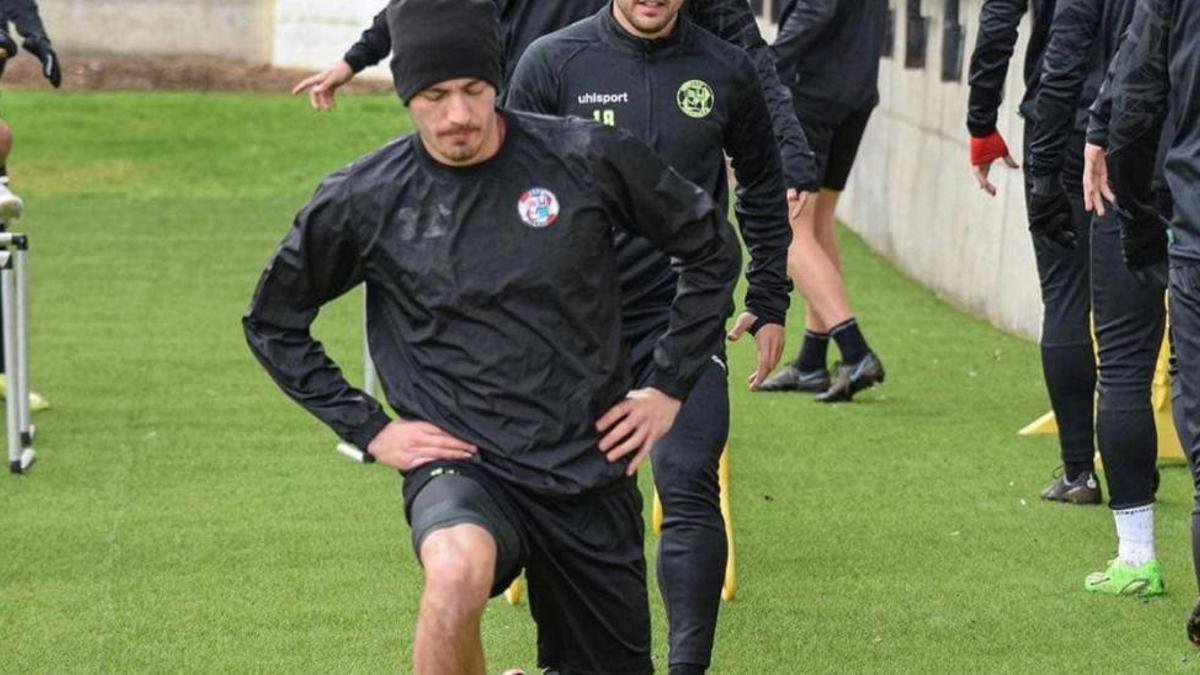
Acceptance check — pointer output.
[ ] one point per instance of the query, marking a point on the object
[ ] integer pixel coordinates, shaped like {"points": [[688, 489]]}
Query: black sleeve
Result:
{"points": [[318, 260], [1139, 100], [24, 15], [374, 45], [801, 23], [658, 204], [733, 21], [1065, 66], [1101, 110], [760, 207], [997, 37], [534, 86]]}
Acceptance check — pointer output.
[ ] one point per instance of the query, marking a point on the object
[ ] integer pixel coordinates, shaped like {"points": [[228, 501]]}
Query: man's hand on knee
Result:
{"points": [[407, 445], [635, 425]]}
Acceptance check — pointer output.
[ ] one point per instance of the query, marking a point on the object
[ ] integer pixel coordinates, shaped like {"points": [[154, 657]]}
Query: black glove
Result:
{"points": [[40, 47], [7, 45], [1144, 246], [1051, 217]]}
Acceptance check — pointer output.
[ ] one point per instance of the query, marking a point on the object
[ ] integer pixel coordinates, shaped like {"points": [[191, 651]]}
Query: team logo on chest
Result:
{"points": [[695, 98], [538, 207]]}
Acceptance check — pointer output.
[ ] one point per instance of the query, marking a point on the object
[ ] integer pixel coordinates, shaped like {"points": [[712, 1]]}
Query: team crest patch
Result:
{"points": [[538, 207], [695, 98]]}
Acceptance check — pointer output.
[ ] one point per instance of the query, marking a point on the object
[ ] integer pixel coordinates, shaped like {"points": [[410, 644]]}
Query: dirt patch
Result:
{"points": [[95, 72]]}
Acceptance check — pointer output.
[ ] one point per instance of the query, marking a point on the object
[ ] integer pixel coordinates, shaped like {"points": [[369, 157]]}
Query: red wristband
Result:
{"points": [[987, 149]]}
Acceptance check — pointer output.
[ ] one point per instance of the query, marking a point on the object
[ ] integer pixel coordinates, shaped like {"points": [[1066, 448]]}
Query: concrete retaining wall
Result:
{"points": [[315, 33]]}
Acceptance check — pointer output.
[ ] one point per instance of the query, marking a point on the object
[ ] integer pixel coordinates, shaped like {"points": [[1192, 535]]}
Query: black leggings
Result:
{"points": [[1129, 320], [1185, 379]]}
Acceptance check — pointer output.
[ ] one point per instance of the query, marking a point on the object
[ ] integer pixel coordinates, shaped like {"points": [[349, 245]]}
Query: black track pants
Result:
{"points": [[1185, 378]]}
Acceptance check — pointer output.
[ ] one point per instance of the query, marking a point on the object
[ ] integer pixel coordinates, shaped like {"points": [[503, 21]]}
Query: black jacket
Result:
{"points": [[829, 50], [1084, 37], [24, 15], [1157, 74], [492, 298], [998, 22], [524, 21], [594, 69]]}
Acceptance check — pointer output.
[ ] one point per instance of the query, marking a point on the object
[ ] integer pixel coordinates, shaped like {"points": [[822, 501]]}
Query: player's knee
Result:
{"points": [[459, 565]]}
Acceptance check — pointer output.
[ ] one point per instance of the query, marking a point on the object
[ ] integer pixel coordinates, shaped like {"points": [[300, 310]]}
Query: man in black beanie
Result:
{"points": [[485, 241]]}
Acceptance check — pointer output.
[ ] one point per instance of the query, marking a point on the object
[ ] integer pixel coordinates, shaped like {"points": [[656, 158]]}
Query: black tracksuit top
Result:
{"points": [[492, 297], [998, 22], [1084, 37], [524, 21], [24, 15], [829, 50], [692, 98], [1156, 75]]}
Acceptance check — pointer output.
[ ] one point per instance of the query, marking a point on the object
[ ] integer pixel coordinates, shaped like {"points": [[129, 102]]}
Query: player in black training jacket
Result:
{"points": [[1068, 361], [694, 99], [834, 90], [24, 15], [1128, 310], [1156, 76], [524, 21], [485, 242]]}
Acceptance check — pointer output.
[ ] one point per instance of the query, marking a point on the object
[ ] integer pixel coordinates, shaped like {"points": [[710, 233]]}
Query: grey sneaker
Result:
{"points": [[1085, 489], [10, 205], [792, 378]]}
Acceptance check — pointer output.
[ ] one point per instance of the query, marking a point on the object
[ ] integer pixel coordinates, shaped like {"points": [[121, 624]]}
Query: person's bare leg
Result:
{"points": [[459, 565], [816, 274], [6, 141], [826, 208]]}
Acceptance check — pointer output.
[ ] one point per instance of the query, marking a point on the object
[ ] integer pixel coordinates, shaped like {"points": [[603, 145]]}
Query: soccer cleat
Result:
{"points": [[792, 378], [1193, 625], [10, 205], [1120, 578], [37, 402], [1085, 489], [849, 379]]}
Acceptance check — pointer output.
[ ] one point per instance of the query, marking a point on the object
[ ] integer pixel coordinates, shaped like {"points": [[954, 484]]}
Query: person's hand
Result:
{"points": [[1144, 247], [1096, 189], [322, 87], [769, 339], [1050, 214], [797, 200], [40, 47], [635, 425], [407, 445], [8, 46], [984, 151]]}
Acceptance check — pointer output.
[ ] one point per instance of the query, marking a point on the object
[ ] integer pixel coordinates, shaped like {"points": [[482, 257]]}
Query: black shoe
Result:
{"points": [[849, 379], [792, 378], [1085, 489], [1193, 625]]}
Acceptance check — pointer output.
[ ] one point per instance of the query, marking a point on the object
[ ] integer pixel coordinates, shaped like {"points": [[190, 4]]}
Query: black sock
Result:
{"points": [[850, 341], [814, 352], [687, 669]]}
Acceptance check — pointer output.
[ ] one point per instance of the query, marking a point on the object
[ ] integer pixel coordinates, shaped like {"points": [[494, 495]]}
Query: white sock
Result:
{"points": [[1135, 535]]}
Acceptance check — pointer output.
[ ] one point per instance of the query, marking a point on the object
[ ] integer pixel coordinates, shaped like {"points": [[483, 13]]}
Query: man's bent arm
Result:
{"points": [[24, 15], [658, 204], [997, 37], [761, 207], [317, 261]]}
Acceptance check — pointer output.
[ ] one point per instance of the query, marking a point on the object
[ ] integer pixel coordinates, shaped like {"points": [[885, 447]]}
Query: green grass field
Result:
{"points": [[184, 516]]}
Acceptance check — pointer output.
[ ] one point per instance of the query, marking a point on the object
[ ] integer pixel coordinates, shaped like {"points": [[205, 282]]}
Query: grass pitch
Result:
{"points": [[184, 516]]}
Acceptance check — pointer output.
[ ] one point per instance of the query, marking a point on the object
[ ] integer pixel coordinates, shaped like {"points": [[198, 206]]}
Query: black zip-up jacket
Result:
{"points": [[594, 69], [24, 15], [524, 21], [1157, 74], [492, 295], [1084, 36], [998, 22], [829, 50]]}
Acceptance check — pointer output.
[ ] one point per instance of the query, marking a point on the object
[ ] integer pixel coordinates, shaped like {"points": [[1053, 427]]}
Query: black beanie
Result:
{"points": [[438, 40]]}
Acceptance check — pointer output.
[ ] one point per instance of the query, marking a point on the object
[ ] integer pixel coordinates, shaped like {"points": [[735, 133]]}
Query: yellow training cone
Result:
{"points": [[513, 594]]}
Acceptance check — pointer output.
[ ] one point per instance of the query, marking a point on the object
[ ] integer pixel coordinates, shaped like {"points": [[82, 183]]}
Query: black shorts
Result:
{"points": [[834, 135], [583, 559]]}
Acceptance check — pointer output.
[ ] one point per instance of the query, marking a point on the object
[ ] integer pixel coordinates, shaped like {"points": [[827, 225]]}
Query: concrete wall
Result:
{"points": [[314, 33], [242, 30], [912, 195]]}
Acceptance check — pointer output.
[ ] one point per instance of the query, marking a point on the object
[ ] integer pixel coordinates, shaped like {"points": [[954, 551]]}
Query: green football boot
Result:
{"points": [[1120, 578]]}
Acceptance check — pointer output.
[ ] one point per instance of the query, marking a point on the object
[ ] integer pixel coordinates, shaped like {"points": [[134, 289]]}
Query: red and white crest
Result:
{"points": [[538, 207]]}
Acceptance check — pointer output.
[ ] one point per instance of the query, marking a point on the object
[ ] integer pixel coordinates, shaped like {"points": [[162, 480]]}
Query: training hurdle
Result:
{"points": [[14, 295]]}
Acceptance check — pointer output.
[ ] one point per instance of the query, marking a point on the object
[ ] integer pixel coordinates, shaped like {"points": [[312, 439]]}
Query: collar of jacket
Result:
{"points": [[616, 36]]}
